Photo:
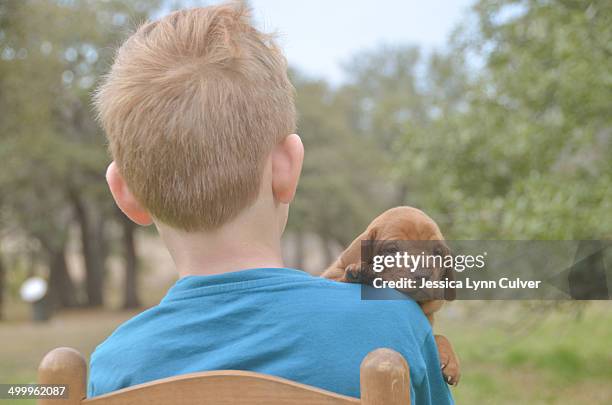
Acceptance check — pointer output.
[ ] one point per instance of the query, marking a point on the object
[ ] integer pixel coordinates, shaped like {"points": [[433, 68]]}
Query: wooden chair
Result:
{"points": [[385, 380]]}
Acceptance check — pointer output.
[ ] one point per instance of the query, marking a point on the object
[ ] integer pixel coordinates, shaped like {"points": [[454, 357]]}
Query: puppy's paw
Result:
{"points": [[352, 274], [449, 362]]}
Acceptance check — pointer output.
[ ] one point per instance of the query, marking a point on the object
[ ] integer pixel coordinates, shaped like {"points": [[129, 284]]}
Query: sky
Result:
{"points": [[319, 36]]}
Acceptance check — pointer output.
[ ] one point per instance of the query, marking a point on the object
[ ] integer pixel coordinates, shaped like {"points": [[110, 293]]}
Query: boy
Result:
{"points": [[200, 120]]}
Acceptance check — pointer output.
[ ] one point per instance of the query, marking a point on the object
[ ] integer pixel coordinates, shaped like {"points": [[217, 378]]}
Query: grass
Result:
{"points": [[558, 359], [509, 354], [23, 344]]}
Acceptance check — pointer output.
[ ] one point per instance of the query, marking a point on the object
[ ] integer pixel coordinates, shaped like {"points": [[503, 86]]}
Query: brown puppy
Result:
{"points": [[403, 224]]}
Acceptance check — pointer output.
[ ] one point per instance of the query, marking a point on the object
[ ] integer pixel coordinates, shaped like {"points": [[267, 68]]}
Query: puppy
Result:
{"points": [[403, 224]]}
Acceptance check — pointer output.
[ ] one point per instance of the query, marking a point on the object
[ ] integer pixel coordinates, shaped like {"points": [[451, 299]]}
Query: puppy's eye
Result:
{"points": [[438, 251], [389, 249]]}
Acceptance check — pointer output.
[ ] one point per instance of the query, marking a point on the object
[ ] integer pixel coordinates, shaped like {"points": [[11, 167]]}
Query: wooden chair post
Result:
{"points": [[64, 366], [385, 379]]}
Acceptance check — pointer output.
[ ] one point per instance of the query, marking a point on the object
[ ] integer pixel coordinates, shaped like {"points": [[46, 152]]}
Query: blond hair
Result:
{"points": [[192, 106]]}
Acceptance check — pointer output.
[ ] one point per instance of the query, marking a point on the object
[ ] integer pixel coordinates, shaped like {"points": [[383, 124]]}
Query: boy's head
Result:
{"points": [[194, 108]]}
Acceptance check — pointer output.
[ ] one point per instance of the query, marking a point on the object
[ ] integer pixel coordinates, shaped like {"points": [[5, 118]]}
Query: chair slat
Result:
{"points": [[385, 380], [225, 387]]}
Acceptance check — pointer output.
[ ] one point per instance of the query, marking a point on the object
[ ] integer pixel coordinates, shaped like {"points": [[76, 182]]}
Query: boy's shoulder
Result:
{"points": [[366, 298], [392, 311]]}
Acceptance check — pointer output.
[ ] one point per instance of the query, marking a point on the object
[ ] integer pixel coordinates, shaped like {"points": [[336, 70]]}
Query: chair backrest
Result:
{"points": [[385, 380]]}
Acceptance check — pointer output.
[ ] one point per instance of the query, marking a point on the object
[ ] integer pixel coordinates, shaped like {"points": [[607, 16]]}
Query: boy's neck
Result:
{"points": [[218, 257], [246, 243]]}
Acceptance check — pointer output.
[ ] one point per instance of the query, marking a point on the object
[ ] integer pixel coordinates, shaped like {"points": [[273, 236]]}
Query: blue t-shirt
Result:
{"points": [[276, 321]]}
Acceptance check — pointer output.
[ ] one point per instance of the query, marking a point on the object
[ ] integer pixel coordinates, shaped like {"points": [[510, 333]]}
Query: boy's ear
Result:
{"points": [[124, 198], [287, 158]]}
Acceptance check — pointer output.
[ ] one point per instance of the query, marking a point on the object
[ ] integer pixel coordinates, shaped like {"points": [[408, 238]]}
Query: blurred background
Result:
{"points": [[492, 116]]}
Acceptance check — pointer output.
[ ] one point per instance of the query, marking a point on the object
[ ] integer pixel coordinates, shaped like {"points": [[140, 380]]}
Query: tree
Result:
{"points": [[130, 258], [53, 152], [518, 148], [387, 102], [2, 286], [337, 194], [537, 133]]}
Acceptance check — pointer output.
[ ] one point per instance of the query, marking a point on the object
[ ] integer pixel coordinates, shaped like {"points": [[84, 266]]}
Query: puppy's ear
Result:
{"points": [[353, 253], [449, 272], [369, 238], [371, 233]]}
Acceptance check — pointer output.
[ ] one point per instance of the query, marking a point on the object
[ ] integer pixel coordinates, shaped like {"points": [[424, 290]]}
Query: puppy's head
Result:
{"points": [[411, 224]]}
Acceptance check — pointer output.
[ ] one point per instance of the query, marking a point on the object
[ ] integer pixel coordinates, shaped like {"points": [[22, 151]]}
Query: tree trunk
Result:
{"points": [[299, 250], [94, 254], [401, 194], [130, 292], [327, 250], [2, 287], [61, 287]]}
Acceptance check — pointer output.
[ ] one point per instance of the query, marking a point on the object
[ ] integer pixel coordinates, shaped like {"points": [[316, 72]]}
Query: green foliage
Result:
{"points": [[506, 134], [538, 126], [518, 149], [50, 143], [338, 192], [53, 153]]}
